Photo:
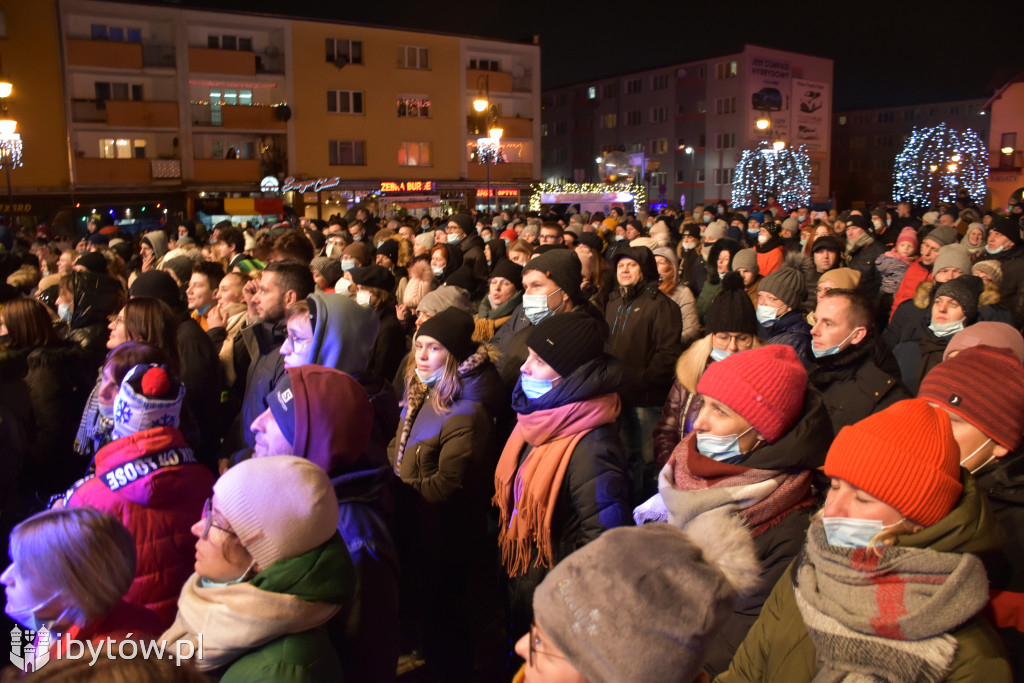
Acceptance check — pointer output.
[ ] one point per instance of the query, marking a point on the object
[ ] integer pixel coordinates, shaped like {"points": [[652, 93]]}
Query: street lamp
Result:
{"points": [[488, 149], [10, 140], [779, 145], [763, 122], [1007, 150]]}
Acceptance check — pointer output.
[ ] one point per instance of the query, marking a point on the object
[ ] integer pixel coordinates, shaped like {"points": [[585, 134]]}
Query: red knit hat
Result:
{"points": [[764, 386], [968, 385], [905, 456]]}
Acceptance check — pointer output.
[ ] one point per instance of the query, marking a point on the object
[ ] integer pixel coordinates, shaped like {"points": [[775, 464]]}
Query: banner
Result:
{"points": [[812, 100]]}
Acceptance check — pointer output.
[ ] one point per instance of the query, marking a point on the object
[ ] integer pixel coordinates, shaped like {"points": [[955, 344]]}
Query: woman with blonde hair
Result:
{"points": [[69, 572]]}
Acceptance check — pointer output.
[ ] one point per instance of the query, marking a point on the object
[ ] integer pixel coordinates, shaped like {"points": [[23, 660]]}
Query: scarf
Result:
{"points": [[884, 618], [900, 257], [525, 494], [96, 425], [692, 484], [240, 618], [853, 247]]}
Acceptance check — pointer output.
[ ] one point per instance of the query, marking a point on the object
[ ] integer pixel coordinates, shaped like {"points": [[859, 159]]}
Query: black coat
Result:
{"points": [[1011, 290], [203, 377], [863, 261], [258, 359], [389, 347], [790, 330]]}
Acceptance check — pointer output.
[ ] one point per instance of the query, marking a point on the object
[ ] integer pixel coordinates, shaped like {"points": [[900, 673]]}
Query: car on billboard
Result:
{"points": [[767, 99], [811, 102]]}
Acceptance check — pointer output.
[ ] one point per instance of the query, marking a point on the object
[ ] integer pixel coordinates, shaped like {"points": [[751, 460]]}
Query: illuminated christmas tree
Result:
{"points": [[785, 173], [938, 162]]}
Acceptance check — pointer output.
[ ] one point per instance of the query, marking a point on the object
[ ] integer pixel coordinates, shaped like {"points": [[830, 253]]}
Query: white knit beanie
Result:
{"points": [[280, 506]]}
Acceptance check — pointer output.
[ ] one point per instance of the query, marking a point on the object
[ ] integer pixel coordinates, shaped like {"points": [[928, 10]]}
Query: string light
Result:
{"points": [[938, 163], [765, 170], [638, 191]]}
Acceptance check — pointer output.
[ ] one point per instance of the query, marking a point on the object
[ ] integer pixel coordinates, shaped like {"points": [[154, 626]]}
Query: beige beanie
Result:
{"points": [[841, 278], [280, 506], [746, 258]]}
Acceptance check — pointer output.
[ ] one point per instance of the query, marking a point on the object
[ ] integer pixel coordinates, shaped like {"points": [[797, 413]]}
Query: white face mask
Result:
{"points": [[363, 298], [963, 463], [438, 270]]}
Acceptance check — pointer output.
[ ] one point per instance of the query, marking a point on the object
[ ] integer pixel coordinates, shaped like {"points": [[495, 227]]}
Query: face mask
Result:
{"points": [[507, 242], [535, 307], [993, 251], [946, 329], [803, 241], [721, 448], [832, 350], [753, 231], [358, 238], [761, 239], [619, 238], [431, 379], [846, 532], [207, 583], [766, 315], [438, 270], [990, 458], [687, 246], [721, 210], [707, 218], [105, 411], [64, 312], [363, 298], [454, 238], [347, 264], [487, 239], [535, 388], [718, 354], [28, 617]]}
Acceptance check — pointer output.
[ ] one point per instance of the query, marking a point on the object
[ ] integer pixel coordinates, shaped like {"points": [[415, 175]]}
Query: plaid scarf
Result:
{"points": [[884, 617], [699, 484]]}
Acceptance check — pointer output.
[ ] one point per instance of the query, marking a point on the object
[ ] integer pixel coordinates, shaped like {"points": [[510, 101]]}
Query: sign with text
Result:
{"points": [[314, 185], [575, 197], [408, 186], [497, 192]]}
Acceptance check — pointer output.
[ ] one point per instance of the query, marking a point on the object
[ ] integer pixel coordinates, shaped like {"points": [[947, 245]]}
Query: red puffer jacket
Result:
{"points": [[154, 485]]}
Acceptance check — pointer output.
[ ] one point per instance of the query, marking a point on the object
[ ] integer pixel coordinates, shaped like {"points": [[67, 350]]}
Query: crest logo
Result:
{"points": [[30, 650]]}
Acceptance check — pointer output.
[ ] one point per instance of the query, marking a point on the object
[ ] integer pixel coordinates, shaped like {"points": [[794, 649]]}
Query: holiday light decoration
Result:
{"points": [[785, 173], [636, 190], [938, 163], [487, 151]]}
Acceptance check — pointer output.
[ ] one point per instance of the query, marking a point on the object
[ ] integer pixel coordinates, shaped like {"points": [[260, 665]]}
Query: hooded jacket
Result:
{"points": [[779, 648], [258, 358], [96, 298], [714, 280], [792, 330], [863, 259], [1011, 290], [472, 246], [153, 484]]}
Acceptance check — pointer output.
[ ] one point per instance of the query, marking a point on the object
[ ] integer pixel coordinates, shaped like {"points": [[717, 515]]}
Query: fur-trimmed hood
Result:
{"points": [[924, 295]]}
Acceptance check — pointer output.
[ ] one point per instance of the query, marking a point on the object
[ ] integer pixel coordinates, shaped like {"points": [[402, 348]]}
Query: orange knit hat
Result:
{"points": [[905, 456]]}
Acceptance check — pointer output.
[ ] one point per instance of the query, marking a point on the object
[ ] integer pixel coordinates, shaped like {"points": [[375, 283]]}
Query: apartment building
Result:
{"points": [[1005, 112], [686, 125]]}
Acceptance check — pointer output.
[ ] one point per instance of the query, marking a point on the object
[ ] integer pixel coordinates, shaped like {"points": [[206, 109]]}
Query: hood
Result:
{"points": [[454, 259], [178, 475], [324, 574], [1003, 482], [498, 250], [364, 482], [481, 382], [343, 332], [96, 298], [971, 527], [471, 241], [333, 417], [643, 256], [594, 378], [805, 444], [158, 240], [724, 244]]}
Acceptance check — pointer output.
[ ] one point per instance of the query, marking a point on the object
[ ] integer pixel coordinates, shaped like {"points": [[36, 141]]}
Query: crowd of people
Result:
{"points": [[748, 445]]}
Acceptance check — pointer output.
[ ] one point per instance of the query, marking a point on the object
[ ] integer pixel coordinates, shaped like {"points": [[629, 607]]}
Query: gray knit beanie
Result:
{"points": [[646, 603], [787, 284], [965, 290], [943, 235], [746, 258], [953, 256]]}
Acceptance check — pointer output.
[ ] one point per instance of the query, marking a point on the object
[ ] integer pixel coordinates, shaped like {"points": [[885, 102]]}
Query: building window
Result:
{"points": [[634, 118], [560, 128], [702, 140], [702, 74], [885, 117], [592, 93], [680, 177], [561, 99], [129, 34], [346, 152], [659, 178], [659, 114], [842, 120], [229, 42], [659, 146], [702, 107], [659, 82], [725, 105], [485, 64], [610, 90], [411, 57], [121, 148], [725, 140], [342, 51], [561, 156], [858, 142], [636, 148], [699, 178], [543, 130], [723, 176], [609, 120], [634, 86], [726, 70], [413, 107], [414, 154], [106, 90], [344, 102]]}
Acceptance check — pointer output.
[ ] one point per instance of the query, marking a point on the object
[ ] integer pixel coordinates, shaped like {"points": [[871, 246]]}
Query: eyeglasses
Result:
{"points": [[741, 338], [208, 521], [299, 344], [535, 647], [499, 281]]}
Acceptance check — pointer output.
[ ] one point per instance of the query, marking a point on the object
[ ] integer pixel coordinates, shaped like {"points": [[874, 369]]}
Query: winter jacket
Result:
{"points": [[714, 280], [917, 357], [852, 386], [153, 484], [96, 298], [687, 304], [258, 358], [203, 377], [863, 259], [791, 330], [692, 270], [915, 274], [473, 257], [1011, 290], [770, 256], [389, 346], [779, 648], [645, 334], [892, 269]]}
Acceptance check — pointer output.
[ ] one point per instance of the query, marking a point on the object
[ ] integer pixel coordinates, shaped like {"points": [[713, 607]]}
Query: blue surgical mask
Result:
{"points": [[993, 251], [454, 238], [718, 354], [358, 238], [946, 329], [753, 231], [347, 264], [847, 532], [535, 388], [535, 307], [832, 350], [803, 241], [722, 448], [431, 379], [207, 583], [487, 239], [506, 241], [64, 312], [29, 618], [767, 315], [707, 218]]}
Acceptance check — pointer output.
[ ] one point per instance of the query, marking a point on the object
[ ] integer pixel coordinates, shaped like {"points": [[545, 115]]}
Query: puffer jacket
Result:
{"points": [[96, 297], [863, 259], [1011, 290], [151, 481], [779, 648], [791, 330]]}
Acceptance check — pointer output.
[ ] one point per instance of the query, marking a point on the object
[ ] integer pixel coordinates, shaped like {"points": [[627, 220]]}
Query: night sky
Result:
{"points": [[887, 53]]}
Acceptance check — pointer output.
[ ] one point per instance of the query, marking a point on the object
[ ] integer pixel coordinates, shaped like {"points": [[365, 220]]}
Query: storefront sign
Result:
{"points": [[575, 197], [484, 192], [15, 208], [407, 186], [270, 184], [314, 185]]}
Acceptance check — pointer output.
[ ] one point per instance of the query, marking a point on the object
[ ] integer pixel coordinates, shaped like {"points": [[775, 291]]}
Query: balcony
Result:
{"points": [[93, 171], [227, 170], [159, 56], [104, 53], [497, 81], [126, 113], [515, 127], [214, 61], [501, 172], [238, 116], [165, 169]]}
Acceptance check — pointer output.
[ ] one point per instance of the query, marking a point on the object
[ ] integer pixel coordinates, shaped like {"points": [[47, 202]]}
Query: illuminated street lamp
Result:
{"points": [[763, 123], [10, 140], [1007, 150], [779, 145]]}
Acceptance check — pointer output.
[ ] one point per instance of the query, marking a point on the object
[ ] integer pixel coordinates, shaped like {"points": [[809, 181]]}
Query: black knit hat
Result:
{"points": [[773, 228], [691, 230], [862, 222], [511, 271], [1007, 228], [373, 276], [92, 260], [826, 242], [157, 284], [567, 341], [965, 290], [731, 310], [388, 248], [464, 221], [545, 248], [591, 240], [563, 267], [454, 329]]}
